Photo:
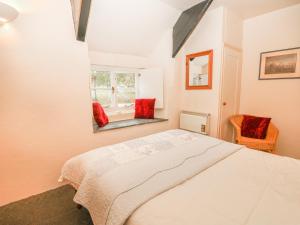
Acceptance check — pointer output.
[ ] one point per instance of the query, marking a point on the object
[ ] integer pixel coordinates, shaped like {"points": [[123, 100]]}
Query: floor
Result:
{"points": [[55, 207]]}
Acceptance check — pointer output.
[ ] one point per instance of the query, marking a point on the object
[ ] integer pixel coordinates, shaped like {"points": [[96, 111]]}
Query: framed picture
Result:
{"points": [[281, 64], [199, 70]]}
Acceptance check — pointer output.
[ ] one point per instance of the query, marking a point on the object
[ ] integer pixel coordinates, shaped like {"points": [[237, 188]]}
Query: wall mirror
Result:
{"points": [[199, 70]]}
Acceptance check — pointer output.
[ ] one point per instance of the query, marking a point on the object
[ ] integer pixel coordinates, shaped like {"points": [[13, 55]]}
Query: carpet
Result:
{"points": [[55, 207]]}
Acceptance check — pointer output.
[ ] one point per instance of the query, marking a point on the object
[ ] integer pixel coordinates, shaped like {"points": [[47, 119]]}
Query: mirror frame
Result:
{"points": [[209, 53]]}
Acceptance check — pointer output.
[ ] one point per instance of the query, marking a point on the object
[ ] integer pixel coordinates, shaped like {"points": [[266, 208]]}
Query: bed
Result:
{"points": [[179, 177]]}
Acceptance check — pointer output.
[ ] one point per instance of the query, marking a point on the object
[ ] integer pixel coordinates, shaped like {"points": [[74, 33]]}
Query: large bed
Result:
{"points": [[179, 177]]}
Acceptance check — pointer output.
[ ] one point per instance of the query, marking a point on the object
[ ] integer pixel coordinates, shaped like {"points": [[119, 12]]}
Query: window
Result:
{"points": [[115, 90]]}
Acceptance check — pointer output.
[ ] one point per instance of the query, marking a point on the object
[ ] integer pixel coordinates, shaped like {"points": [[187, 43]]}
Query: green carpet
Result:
{"points": [[55, 207]]}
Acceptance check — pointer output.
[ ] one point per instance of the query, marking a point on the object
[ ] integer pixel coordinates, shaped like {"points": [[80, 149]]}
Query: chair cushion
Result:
{"points": [[144, 108], [99, 114], [255, 127]]}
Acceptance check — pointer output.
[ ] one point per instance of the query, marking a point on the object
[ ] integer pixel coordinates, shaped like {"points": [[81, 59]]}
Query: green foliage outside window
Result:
{"points": [[101, 79], [106, 86]]}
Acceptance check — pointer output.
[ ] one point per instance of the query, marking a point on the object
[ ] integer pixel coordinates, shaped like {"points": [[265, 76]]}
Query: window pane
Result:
{"points": [[101, 79], [125, 89], [125, 80], [125, 98], [102, 96]]}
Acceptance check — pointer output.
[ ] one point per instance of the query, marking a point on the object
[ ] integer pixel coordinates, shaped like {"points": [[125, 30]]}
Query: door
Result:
{"points": [[230, 91]]}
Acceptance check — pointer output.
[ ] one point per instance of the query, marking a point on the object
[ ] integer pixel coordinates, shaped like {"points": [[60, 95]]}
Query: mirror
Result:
{"points": [[199, 70]]}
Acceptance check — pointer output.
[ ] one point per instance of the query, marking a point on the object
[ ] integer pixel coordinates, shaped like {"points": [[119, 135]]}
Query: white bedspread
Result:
{"points": [[229, 185], [113, 193], [113, 156], [247, 188]]}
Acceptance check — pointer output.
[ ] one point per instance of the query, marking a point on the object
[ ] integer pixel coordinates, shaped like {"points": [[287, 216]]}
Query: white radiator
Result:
{"points": [[196, 122]]}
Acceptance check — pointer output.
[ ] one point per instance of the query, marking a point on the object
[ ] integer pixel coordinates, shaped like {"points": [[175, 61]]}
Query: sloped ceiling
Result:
{"points": [[135, 26], [245, 8], [129, 27], [182, 4]]}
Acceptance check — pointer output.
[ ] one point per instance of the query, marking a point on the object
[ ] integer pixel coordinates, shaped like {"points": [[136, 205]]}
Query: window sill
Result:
{"points": [[126, 123], [119, 112]]}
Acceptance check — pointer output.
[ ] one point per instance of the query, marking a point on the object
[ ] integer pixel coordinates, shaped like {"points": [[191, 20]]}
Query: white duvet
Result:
{"points": [[246, 187], [113, 156]]}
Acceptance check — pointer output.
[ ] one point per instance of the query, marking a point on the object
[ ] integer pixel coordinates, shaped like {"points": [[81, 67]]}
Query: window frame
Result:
{"points": [[113, 108], [95, 89]]}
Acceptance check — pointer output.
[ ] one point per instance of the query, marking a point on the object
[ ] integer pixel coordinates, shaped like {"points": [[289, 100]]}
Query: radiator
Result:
{"points": [[196, 122]]}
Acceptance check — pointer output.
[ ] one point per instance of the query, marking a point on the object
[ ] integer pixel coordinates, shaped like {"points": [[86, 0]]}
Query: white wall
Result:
{"points": [[233, 29], [45, 103], [218, 28], [118, 60], [279, 99], [208, 35], [161, 57]]}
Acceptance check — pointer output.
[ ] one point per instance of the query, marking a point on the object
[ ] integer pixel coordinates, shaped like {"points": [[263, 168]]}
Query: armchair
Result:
{"points": [[268, 144]]}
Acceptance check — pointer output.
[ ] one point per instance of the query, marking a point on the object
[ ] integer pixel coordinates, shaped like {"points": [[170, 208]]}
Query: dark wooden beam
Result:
{"points": [[187, 23], [83, 19]]}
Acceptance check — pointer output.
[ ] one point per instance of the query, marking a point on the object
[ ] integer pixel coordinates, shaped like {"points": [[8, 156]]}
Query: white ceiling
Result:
{"points": [[245, 8], [182, 4], [129, 26], [135, 27]]}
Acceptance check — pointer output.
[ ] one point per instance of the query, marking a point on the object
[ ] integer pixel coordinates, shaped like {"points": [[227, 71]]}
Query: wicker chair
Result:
{"points": [[268, 144]]}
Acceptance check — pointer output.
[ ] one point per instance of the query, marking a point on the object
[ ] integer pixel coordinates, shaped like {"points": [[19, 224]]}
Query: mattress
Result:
{"points": [[242, 186]]}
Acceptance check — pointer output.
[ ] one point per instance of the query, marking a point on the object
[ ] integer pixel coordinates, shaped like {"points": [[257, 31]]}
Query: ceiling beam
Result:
{"points": [[83, 19], [186, 24]]}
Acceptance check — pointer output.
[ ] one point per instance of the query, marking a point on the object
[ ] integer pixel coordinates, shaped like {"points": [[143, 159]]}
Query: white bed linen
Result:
{"points": [[114, 187], [247, 188], [75, 169]]}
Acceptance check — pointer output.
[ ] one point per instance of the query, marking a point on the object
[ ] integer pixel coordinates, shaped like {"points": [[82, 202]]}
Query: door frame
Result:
{"points": [[238, 91]]}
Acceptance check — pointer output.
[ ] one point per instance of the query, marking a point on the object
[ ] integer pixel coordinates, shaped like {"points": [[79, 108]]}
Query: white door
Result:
{"points": [[151, 85], [230, 91]]}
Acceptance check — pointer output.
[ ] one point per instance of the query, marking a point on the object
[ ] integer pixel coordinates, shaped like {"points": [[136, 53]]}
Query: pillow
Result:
{"points": [[144, 108], [99, 115], [255, 127]]}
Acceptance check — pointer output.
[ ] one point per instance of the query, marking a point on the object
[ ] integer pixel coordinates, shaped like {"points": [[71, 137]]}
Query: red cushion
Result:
{"points": [[255, 127], [99, 115], [144, 108]]}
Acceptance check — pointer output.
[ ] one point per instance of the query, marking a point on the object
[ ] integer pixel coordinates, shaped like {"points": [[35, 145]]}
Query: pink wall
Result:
{"points": [[45, 113]]}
